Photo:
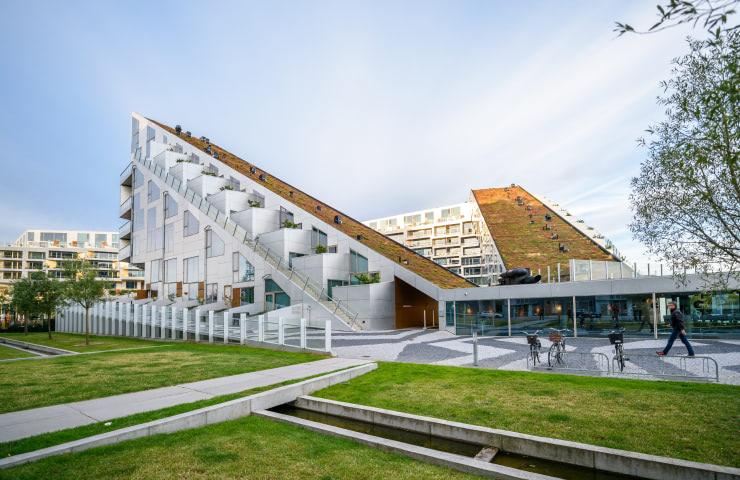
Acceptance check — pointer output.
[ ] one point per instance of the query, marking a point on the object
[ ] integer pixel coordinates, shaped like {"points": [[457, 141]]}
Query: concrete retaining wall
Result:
{"points": [[34, 347], [428, 455], [221, 412], [600, 458]]}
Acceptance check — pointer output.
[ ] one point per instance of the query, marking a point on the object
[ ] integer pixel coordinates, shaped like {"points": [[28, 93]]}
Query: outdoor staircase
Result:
{"points": [[275, 263]]}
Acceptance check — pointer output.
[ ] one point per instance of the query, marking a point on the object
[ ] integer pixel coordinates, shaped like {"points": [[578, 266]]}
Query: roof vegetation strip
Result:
{"points": [[376, 241], [529, 234]]}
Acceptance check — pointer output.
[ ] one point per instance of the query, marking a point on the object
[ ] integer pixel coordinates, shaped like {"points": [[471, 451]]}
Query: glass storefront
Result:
{"points": [[707, 315]]}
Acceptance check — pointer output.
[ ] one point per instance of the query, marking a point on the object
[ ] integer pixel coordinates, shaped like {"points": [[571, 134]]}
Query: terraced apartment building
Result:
{"points": [[217, 232], [499, 229], [46, 250]]}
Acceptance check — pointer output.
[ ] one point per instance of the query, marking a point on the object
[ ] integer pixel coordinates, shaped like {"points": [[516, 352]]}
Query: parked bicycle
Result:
{"points": [[616, 338], [534, 346], [556, 355]]}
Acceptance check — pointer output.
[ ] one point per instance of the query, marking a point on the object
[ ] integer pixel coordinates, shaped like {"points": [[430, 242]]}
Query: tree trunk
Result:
{"points": [[87, 325]]}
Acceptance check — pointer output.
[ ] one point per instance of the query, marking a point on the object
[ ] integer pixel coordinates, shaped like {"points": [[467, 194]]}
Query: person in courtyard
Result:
{"points": [[678, 329]]}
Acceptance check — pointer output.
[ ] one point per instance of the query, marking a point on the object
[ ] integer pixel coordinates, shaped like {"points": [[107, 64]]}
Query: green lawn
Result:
{"points": [[37, 442], [71, 378], [76, 343], [251, 447], [677, 419], [7, 352]]}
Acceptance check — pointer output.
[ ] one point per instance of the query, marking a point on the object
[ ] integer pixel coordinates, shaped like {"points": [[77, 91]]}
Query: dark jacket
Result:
{"points": [[677, 320]]}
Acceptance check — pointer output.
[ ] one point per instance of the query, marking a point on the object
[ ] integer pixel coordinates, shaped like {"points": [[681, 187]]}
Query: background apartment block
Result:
{"points": [[454, 236], [46, 251], [499, 229]]}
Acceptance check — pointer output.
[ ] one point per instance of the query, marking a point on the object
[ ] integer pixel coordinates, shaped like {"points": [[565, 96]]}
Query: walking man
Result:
{"points": [[678, 329]]}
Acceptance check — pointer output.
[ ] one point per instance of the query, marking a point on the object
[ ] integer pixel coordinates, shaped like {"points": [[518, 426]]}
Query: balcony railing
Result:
{"points": [[125, 210]]}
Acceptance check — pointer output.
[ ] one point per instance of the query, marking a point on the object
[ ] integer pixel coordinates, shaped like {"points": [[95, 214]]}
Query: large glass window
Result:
{"points": [[190, 224], [190, 271], [212, 293], [138, 213], [54, 237], [83, 239], [153, 192], [246, 295], [101, 240], [486, 317], [170, 270], [138, 178], [154, 267], [318, 238], [214, 245], [357, 262], [169, 237], [540, 313], [243, 270], [170, 206]]}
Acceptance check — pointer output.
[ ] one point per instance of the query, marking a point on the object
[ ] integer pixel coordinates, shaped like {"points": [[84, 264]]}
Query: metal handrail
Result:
{"points": [[270, 256]]}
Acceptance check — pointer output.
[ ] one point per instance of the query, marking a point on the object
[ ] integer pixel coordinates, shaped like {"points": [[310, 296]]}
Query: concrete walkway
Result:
{"points": [[27, 423]]}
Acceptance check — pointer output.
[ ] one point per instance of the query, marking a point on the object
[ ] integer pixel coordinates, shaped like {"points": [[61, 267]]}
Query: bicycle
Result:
{"points": [[616, 338], [534, 346], [556, 354]]}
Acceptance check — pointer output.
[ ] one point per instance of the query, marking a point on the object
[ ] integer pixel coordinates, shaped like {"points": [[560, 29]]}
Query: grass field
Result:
{"points": [[76, 343], [37, 442], [677, 419], [63, 379], [7, 353], [251, 447]]}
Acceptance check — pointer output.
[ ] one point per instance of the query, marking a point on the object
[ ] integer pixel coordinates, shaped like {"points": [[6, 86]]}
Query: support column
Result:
{"points": [[210, 326], [227, 321], [575, 323], [147, 316], [281, 331], [303, 333], [173, 322], [327, 336], [508, 314], [94, 319], [655, 317], [119, 331], [197, 324], [163, 323], [261, 328], [242, 328], [127, 324], [184, 323], [137, 318]]}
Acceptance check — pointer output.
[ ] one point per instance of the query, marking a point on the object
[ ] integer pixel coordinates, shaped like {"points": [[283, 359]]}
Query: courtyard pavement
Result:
{"points": [[439, 347], [27, 423]]}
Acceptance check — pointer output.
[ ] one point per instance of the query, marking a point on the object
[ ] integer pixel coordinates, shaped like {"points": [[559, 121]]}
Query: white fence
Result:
{"points": [[125, 319]]}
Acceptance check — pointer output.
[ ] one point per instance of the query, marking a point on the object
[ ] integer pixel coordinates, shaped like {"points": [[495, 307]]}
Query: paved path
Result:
{"points": [[510, 353], [26, 423]]}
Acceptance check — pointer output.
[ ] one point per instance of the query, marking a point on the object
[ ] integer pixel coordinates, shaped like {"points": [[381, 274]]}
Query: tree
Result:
{"points": [[711, 14], [83, 288], [24, 299], [686, 199], [50, 294]]}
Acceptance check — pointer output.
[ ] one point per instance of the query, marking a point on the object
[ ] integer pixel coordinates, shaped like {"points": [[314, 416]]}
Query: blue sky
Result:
{"points": [[375, 107]]}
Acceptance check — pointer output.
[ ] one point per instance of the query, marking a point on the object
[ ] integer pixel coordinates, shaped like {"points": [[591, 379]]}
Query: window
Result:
{"points": [[53, 237], [101, 240], [170, 207], [130, 285], [318, 238], [30, 236], [36, 255], [154, 267], [190, 270], [429, 216], [153, 192], [138, 213], [212, 293], [214, 244], [138, 178], [243, 270], [357, 262], [190, 224], [169, 237], [246, 295], [170, 270], [292, 255]]}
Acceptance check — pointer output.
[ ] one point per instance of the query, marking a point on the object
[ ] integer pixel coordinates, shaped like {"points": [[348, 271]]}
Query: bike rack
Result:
{"points": [[704, 368], [574, 362]]}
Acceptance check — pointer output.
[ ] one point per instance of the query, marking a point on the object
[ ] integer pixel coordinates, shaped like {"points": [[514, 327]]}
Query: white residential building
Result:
{"points": [[454, 236], [46, 250], [216, 232]]}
